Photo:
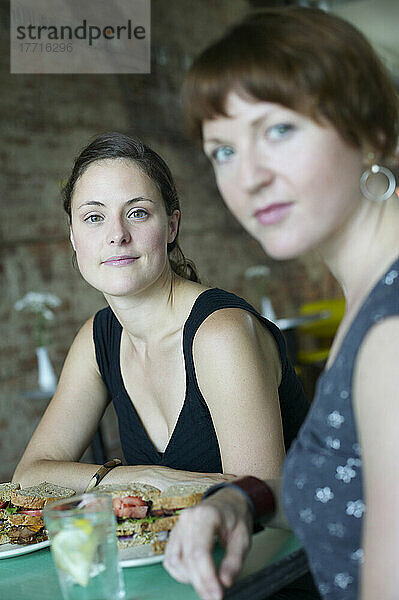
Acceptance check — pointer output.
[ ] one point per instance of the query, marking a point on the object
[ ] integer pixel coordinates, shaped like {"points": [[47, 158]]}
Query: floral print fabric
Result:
{"points": [[322, 481]]}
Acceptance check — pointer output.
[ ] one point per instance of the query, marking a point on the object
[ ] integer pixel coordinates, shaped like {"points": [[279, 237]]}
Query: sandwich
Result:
{"points": [[132, 504], [6, 490], [23, 521], [145, 515]]}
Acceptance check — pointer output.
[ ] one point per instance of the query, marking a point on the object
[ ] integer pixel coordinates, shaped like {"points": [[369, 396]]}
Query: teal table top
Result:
{"points": [[33, 576]]}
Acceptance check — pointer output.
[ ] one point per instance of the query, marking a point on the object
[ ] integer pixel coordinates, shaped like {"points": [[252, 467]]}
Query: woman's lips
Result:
{"points": [[273, 213], [120, 261]]}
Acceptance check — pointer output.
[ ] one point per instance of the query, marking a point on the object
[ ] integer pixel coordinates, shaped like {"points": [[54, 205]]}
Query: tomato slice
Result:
{"points": [[33, 513], [130, 507]]}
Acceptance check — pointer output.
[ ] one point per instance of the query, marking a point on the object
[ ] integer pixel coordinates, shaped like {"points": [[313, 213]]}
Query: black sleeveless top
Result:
{"points": [[323, 482], [193, 445]]}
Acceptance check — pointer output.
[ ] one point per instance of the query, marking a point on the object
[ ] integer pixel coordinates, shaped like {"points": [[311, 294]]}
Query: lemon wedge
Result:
{"points": [[84, 525], [74, 550]]}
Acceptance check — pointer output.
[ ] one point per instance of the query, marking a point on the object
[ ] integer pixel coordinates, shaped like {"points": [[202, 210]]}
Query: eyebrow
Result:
{"points": [[252, 124], [213, 141], [127, 203]]}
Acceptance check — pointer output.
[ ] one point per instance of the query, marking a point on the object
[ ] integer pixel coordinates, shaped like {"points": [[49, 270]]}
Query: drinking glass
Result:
{"points": [[83, 545]]}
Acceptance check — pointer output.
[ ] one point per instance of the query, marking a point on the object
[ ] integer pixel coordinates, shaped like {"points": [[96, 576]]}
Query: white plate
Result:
{"points": [[139, 556], [10, 550]]}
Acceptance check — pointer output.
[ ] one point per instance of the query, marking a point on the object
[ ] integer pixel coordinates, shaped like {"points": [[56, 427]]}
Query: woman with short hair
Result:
{"points": [[300, 121]]}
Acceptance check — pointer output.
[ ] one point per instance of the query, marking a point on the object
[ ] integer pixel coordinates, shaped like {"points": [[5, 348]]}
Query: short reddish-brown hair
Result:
{"points": [[307, 60]]}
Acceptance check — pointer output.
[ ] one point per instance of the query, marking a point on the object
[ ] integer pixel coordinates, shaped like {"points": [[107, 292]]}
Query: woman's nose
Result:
{"points": [[118, 233], [254, 172]]}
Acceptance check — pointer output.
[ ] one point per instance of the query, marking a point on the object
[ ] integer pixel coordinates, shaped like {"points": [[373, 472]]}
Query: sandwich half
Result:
{"points": [[25, 523], [145, 515]]}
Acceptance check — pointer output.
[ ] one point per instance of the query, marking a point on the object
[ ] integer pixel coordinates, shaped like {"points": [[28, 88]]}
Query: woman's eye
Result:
{"points": [[222, 154], [279, 131], [139, 213], [93, 218]]}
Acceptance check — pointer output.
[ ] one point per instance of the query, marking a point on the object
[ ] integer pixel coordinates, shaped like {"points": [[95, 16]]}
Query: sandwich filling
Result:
{"points": [[21, 520]]}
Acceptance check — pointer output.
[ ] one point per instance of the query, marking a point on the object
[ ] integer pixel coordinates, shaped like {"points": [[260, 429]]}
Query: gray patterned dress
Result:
{"points": [[322, 480]]}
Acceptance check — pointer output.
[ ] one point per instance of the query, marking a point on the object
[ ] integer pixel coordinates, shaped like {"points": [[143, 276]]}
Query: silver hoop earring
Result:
{"points": [[374, 170]]}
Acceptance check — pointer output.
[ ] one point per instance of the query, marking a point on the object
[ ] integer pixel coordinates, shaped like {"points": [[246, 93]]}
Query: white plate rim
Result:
{"points": [[11, 550], [139, 556], [141, 562]]}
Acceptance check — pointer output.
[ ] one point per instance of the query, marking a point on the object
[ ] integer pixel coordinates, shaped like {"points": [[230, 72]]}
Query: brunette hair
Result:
{"points": [[114, 145], [304, 59]]}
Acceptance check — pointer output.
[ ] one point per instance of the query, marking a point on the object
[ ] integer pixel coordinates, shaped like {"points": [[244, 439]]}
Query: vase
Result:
{"points": [[267, 309], [46, 375]]}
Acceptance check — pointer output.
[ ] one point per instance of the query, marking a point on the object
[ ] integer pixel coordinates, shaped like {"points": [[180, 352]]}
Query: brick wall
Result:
{"points": [[45, 119]]}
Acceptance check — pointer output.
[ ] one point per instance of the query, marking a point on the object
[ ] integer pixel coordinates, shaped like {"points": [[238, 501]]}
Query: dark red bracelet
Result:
{"points": [[258, 494]]}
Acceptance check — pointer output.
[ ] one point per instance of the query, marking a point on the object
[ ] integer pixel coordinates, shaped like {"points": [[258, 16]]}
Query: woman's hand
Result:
{"points": [[188, 556]]}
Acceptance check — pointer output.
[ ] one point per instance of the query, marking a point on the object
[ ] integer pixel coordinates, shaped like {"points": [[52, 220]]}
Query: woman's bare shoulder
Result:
{"points": [[227, 323], [82, 350]]}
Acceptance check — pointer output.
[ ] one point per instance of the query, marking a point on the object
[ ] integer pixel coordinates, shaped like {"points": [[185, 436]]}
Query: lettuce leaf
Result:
{"points": [[11, 510]]}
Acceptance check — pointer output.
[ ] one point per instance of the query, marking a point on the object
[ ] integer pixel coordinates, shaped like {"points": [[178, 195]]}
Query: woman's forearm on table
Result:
{"points": [[74, 475], [77, 475]]}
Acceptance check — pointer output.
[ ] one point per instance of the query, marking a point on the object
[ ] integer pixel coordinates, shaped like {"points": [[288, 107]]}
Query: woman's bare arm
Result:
{"points": [[238, 371], [69, 423], [376, 403]]}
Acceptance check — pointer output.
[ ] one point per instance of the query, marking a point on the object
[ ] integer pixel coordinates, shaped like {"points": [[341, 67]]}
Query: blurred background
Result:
{"points": [[46, 119]]}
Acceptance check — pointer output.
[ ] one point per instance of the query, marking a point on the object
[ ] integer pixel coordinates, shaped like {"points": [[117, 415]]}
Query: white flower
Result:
{"points": [[358, 555], [300, 481], [318, 460], [336, 529], [333, 443], [328, 388], [307, 515], [39, 304], [355, 508], [354, 462], [390, 277], [324, 494], [324, 588], [342, 580], [345, 473], [335, 419], [48, 314]]}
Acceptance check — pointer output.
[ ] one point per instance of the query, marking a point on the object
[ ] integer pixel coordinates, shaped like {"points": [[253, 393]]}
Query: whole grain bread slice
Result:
{"points": [[4, 539], [163, 524], [37, 496], [142, 490], [180, 496], [6, 490]]}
